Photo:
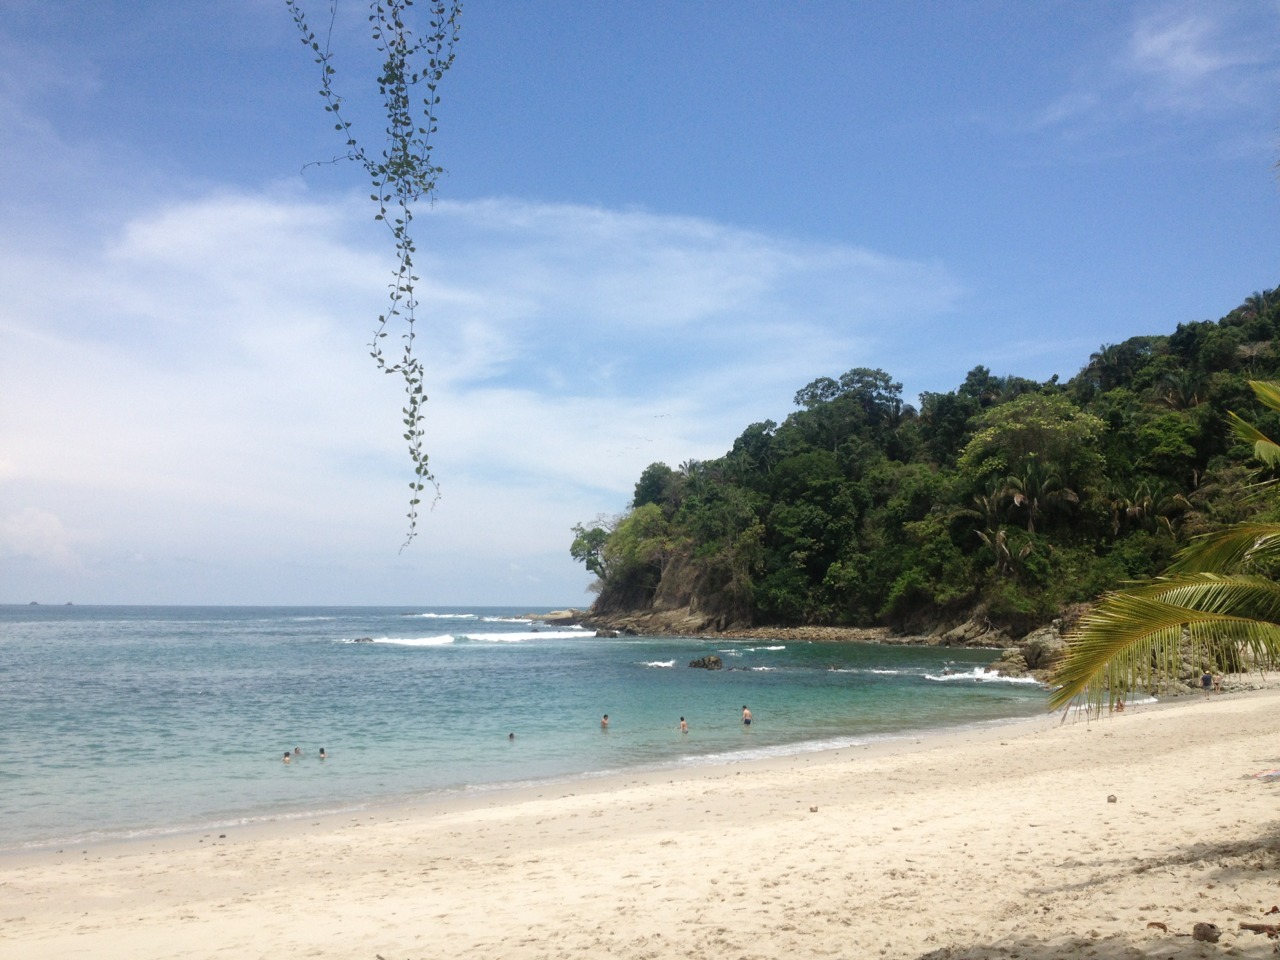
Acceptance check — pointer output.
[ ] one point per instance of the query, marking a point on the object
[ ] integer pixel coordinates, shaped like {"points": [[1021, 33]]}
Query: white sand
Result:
{"points": [[993, 844]]}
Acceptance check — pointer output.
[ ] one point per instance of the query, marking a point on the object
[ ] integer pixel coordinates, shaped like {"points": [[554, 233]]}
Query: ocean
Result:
{"points": [[125, 722]]}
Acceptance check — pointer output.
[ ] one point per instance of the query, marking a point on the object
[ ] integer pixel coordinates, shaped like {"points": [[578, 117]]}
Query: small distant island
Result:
{"points": [[989, 515]]}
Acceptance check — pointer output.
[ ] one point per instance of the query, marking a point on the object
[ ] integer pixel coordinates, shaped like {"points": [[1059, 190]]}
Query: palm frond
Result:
{"points": [[1133, 642], [1264, 448], [1232, 548], [1242, 595], [1267, 392]]}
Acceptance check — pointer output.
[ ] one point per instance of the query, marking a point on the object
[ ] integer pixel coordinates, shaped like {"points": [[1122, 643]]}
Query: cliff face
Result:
{"points": [[683, 603], [676, 621], [682, 597]]}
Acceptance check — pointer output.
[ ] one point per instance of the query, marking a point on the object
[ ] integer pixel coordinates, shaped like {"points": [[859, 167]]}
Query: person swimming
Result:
{"points": [[287, 756], [323, 755]]}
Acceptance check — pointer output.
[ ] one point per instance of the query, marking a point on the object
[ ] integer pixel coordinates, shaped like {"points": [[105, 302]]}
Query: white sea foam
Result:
{"points": [[443, 616], [763, 669], [980, 675], [779, 750], [439, 641], [659, 663], [521, 637]]}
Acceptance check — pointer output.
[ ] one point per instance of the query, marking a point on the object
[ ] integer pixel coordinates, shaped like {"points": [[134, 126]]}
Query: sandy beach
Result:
{"points": [[1001, 842]]}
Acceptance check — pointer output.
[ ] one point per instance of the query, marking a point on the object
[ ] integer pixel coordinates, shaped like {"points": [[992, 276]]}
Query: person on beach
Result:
{"points": [[604, 722], [684, 727], [746, 716], [1206, 683], [1217, 683]]}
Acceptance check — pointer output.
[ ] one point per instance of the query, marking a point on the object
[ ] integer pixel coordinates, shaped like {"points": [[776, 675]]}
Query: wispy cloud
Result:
{"points": [[1180, 60], [591, 296], [1192, 61]]}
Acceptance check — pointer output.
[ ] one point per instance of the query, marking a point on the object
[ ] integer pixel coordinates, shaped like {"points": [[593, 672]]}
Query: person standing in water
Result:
{"points": [[746, 716], [604, 722], [684, 727]]}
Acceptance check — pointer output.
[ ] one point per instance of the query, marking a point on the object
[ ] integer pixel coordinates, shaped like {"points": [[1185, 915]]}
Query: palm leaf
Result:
{"points": [[1134, 641], [1232, 548], [1240, 595], [1264, 448], [1267, 392]]}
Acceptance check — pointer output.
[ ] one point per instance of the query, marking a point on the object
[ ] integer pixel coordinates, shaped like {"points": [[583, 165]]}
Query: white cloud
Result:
{"points": [[1184, 61], [189, 400], [1181, 60], [38, 537], [1177, 49]]}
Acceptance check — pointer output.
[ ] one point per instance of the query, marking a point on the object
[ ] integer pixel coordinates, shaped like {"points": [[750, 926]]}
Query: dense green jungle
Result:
{"points": [[1006, 498]]}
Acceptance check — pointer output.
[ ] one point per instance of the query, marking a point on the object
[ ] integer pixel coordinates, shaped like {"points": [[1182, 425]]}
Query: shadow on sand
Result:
{"points": [[1225, 864]]}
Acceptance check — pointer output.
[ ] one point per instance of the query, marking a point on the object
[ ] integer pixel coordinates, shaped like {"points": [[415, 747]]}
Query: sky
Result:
{"points": [[658, 221]]}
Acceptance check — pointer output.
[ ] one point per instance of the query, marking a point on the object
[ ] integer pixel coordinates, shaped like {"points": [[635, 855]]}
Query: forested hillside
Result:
{"points": [[1005, 497]]}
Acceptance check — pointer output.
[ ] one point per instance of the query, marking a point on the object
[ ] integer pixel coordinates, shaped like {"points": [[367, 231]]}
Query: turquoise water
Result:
{"points": [[127, 721]]}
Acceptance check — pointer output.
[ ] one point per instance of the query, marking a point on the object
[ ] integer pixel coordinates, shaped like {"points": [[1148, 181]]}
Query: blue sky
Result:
{"points": [[659, 220]]}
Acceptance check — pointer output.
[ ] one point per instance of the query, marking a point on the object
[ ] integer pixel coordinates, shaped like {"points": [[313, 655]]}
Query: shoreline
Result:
{"points": [[496, 793], [994, 842]]}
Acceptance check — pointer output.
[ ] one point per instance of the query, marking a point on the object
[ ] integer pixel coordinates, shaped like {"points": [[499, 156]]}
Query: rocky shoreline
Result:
{"points": [[976, 632], [1033, 655], [684, 624]]}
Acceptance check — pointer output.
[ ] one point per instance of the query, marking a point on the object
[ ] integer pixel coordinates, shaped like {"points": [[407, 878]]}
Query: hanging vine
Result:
{"points": [[401, 174]]}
